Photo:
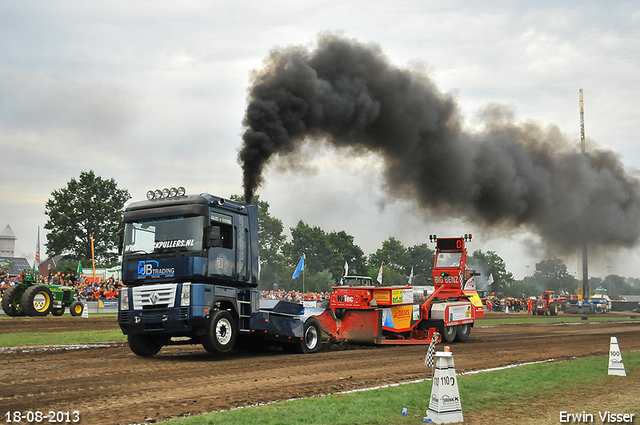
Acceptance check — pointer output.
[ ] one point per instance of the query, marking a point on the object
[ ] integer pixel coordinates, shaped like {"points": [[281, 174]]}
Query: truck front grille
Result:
{"points": [[154, 296]]}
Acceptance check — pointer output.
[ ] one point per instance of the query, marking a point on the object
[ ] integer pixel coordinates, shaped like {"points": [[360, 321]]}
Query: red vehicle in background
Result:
{"points": [[548, 304]]}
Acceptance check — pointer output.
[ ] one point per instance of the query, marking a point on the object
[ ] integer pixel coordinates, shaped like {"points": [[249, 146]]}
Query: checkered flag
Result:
{"points": [[428, 360]]}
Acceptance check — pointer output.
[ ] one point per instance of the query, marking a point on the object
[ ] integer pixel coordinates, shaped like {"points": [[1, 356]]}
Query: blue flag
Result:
{"points": [[299, 268]]}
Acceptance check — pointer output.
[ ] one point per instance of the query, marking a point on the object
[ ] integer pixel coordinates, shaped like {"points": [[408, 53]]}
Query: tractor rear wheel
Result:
{"points": [[37, 301], [11, 301], [221, 334], [463, 332], [553, 309], [449, 333], [76, 308]]}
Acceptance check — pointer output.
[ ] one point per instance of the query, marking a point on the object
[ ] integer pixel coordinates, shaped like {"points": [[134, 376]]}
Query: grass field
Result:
{"points": [[479, 392], [56, 338]]}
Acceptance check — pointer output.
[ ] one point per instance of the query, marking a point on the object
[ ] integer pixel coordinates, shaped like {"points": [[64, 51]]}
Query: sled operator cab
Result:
{"points": [[454, 304]]}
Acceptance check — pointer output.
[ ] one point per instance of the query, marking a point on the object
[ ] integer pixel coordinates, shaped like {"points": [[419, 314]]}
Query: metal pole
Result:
{"points": [[585, 251]]}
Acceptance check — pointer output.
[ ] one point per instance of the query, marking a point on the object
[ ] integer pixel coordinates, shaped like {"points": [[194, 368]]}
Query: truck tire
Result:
{"points": [[76, 308], [448, 333], [145, 345], [58, 311], [312, 336], [553, 309], [11, 301], [463, 332], [37, 301], [221, 334]]}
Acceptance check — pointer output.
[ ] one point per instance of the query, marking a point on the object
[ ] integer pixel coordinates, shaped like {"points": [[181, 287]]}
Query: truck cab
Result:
{"points": [[190, 266]]}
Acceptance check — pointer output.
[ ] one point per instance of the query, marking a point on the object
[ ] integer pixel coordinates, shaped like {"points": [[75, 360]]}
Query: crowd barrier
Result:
{"points": [[93, 307]]}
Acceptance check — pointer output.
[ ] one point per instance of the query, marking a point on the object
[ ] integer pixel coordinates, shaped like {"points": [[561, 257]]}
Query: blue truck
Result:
{"points": [[190, 266]]}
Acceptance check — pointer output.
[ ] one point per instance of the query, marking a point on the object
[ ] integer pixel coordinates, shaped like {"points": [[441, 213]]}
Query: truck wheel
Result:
{"points": [[553, 309], [145, 345], [449, 333], [57, 311], [463, 332], [312, 337], [76, 308], [11, 301], [221, 335], [37, 301]]}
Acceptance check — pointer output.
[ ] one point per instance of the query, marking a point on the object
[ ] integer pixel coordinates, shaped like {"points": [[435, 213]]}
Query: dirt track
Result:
{"points": [[112, 386]]}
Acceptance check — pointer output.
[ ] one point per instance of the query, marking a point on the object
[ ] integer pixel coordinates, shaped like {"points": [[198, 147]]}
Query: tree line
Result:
{"points": [[93, 206]]}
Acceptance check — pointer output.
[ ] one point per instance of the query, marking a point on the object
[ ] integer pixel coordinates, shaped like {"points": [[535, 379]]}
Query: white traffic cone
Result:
{"points": [[616, 367], [85, 311], [444, 405]]}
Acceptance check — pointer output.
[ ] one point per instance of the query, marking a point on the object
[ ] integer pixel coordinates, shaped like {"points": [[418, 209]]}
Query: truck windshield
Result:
{"points": [[164, 234], [448, 259]]}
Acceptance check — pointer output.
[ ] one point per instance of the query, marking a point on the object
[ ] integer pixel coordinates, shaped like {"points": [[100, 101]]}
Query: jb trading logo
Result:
{"points": [[151, 268]]}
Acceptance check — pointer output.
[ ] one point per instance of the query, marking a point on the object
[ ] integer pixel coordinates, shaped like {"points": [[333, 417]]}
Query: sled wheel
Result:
{"points": [[145, 345], [221, 334], [463, 332], [449, 333], [76, 308], [37, 301], [11, 302]]}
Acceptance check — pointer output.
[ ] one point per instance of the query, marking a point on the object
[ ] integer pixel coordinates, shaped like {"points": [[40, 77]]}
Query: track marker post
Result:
{"points": [[616, 367], [444, 403], [85, 311]]}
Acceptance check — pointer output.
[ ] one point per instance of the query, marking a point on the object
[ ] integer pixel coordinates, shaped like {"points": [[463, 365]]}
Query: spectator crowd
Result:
{"points": [[296, 296]]}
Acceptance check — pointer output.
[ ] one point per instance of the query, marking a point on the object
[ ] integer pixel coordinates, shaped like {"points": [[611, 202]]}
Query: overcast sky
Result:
{"points": [[153, 94]]}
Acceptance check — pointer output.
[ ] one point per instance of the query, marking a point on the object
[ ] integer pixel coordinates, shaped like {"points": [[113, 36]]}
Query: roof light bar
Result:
{"points": [[166, 193]]}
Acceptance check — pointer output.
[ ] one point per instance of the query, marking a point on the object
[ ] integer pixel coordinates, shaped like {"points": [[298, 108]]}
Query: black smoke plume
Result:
{"points": [[348, 94]]}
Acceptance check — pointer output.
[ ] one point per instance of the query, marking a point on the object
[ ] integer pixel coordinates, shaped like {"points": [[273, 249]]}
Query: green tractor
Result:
{"points": [[28, 298]]}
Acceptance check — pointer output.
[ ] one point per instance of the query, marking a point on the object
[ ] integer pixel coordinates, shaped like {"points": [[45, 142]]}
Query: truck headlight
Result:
{"points": [[124, 299], [185, 295]]}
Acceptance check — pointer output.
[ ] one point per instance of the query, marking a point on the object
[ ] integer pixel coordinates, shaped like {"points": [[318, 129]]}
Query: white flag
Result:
{"points": [[380, 273], [411, 276], [490, 281], [345, 272]]}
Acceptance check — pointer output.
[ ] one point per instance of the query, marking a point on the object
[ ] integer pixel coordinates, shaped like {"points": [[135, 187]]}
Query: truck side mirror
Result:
{"points": [[215, 238], [120, 240]]}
